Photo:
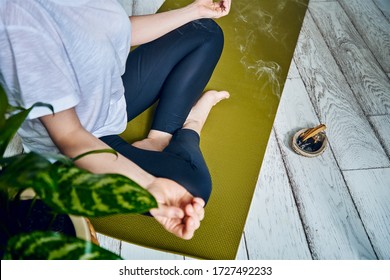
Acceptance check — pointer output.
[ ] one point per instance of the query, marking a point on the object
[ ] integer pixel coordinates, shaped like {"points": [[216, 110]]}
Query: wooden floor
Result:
{"points": [[336, 206]]}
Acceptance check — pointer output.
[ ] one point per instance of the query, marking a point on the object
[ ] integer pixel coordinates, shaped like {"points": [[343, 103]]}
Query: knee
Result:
{"points": [[203, 183], [215, 36], [198, 182]]}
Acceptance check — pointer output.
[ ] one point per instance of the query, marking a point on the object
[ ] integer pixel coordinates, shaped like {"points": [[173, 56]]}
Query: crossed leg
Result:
{"points": [[174, 71], [159, 140]]}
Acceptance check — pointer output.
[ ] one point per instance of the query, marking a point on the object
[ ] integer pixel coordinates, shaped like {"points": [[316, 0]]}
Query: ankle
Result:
{"points": [[149, 144], [159, 138], [193, 124], [158, 144]]}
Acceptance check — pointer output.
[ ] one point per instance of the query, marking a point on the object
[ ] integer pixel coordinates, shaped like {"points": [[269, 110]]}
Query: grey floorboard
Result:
{"points": [[332, 225], [274, 229], [381, 126], [366, 77], [370, 190], [373, 27], [353, 140]]}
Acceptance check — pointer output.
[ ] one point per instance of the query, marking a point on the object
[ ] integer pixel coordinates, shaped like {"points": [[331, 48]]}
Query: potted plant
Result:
{"points": [[60, 189]]}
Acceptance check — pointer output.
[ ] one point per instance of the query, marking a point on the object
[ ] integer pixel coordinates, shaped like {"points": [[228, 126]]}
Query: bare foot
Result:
{"points": [[198, 115], [156, 141]]}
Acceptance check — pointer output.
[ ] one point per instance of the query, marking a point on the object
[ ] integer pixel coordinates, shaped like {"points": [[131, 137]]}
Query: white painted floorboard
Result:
{"points": [[293, 71], [110, 244], [370, 190], [273, 228], [135, 252], [332, 225], [365, 76], [242, 253], [381, 126], [353, 140], [384, 6], [372, 26]]}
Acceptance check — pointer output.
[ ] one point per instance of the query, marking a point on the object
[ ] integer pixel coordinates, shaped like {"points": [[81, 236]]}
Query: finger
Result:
{"points": [[167, 212], [195, 211], [198, 207], [189, 229], [195, 223], [199, 201], [175, 226], [193, 217], [227, 4], [182, 229], [199, 204], [189, 210], [199, 210], [223, 6]]}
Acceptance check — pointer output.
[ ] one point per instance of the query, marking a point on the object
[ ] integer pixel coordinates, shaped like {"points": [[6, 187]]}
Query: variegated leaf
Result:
{"points": [[40, 245], [9, 126], [20, 172], [71, 190]]}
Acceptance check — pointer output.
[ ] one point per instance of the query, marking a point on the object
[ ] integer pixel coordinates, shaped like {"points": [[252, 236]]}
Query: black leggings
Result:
{"points": [[174, 71]]}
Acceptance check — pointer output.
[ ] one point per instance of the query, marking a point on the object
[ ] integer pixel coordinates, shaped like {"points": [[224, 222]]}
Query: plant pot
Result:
{"points": [[32, 217], [23, 218], [81, 226]]}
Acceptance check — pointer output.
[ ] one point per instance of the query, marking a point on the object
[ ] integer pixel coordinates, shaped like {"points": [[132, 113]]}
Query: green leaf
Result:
{"points": [[20, 172], [40, 245], [71, 190], [9, 129], [3, 106], [111, 151], [9, 126], [80, 192]]}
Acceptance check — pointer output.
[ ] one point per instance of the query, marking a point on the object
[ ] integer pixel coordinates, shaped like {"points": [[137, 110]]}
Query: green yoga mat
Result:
{"points": [[260, 38]]}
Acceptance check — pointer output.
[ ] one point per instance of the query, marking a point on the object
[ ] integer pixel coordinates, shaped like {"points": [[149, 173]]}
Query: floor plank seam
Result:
{"points": [[330, 150], [334, 56], [355, 206], [313, 254], [316, 110], [358, 213], [371, 168], [380, 139], [120, 246], [377, 115], [362, 37], [338, 66], [245, 245], [295, 78], [384, 15], [351, 197]]}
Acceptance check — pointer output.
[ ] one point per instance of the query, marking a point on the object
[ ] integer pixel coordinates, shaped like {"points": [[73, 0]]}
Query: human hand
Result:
{"points": [[178, 211], [211, 9]]}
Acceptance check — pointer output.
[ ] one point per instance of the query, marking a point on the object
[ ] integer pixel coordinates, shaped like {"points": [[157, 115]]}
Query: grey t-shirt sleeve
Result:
{"points": [[35, 69]]}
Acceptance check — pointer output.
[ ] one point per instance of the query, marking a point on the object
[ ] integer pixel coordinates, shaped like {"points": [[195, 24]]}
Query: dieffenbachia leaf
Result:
{"points": [[9, 126], [41, 245], [71, 190], [80, 192], [20, 171]]}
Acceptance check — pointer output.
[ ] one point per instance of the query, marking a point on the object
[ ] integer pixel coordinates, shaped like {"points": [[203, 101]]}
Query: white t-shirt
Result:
{"points": [[68, 53]]}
